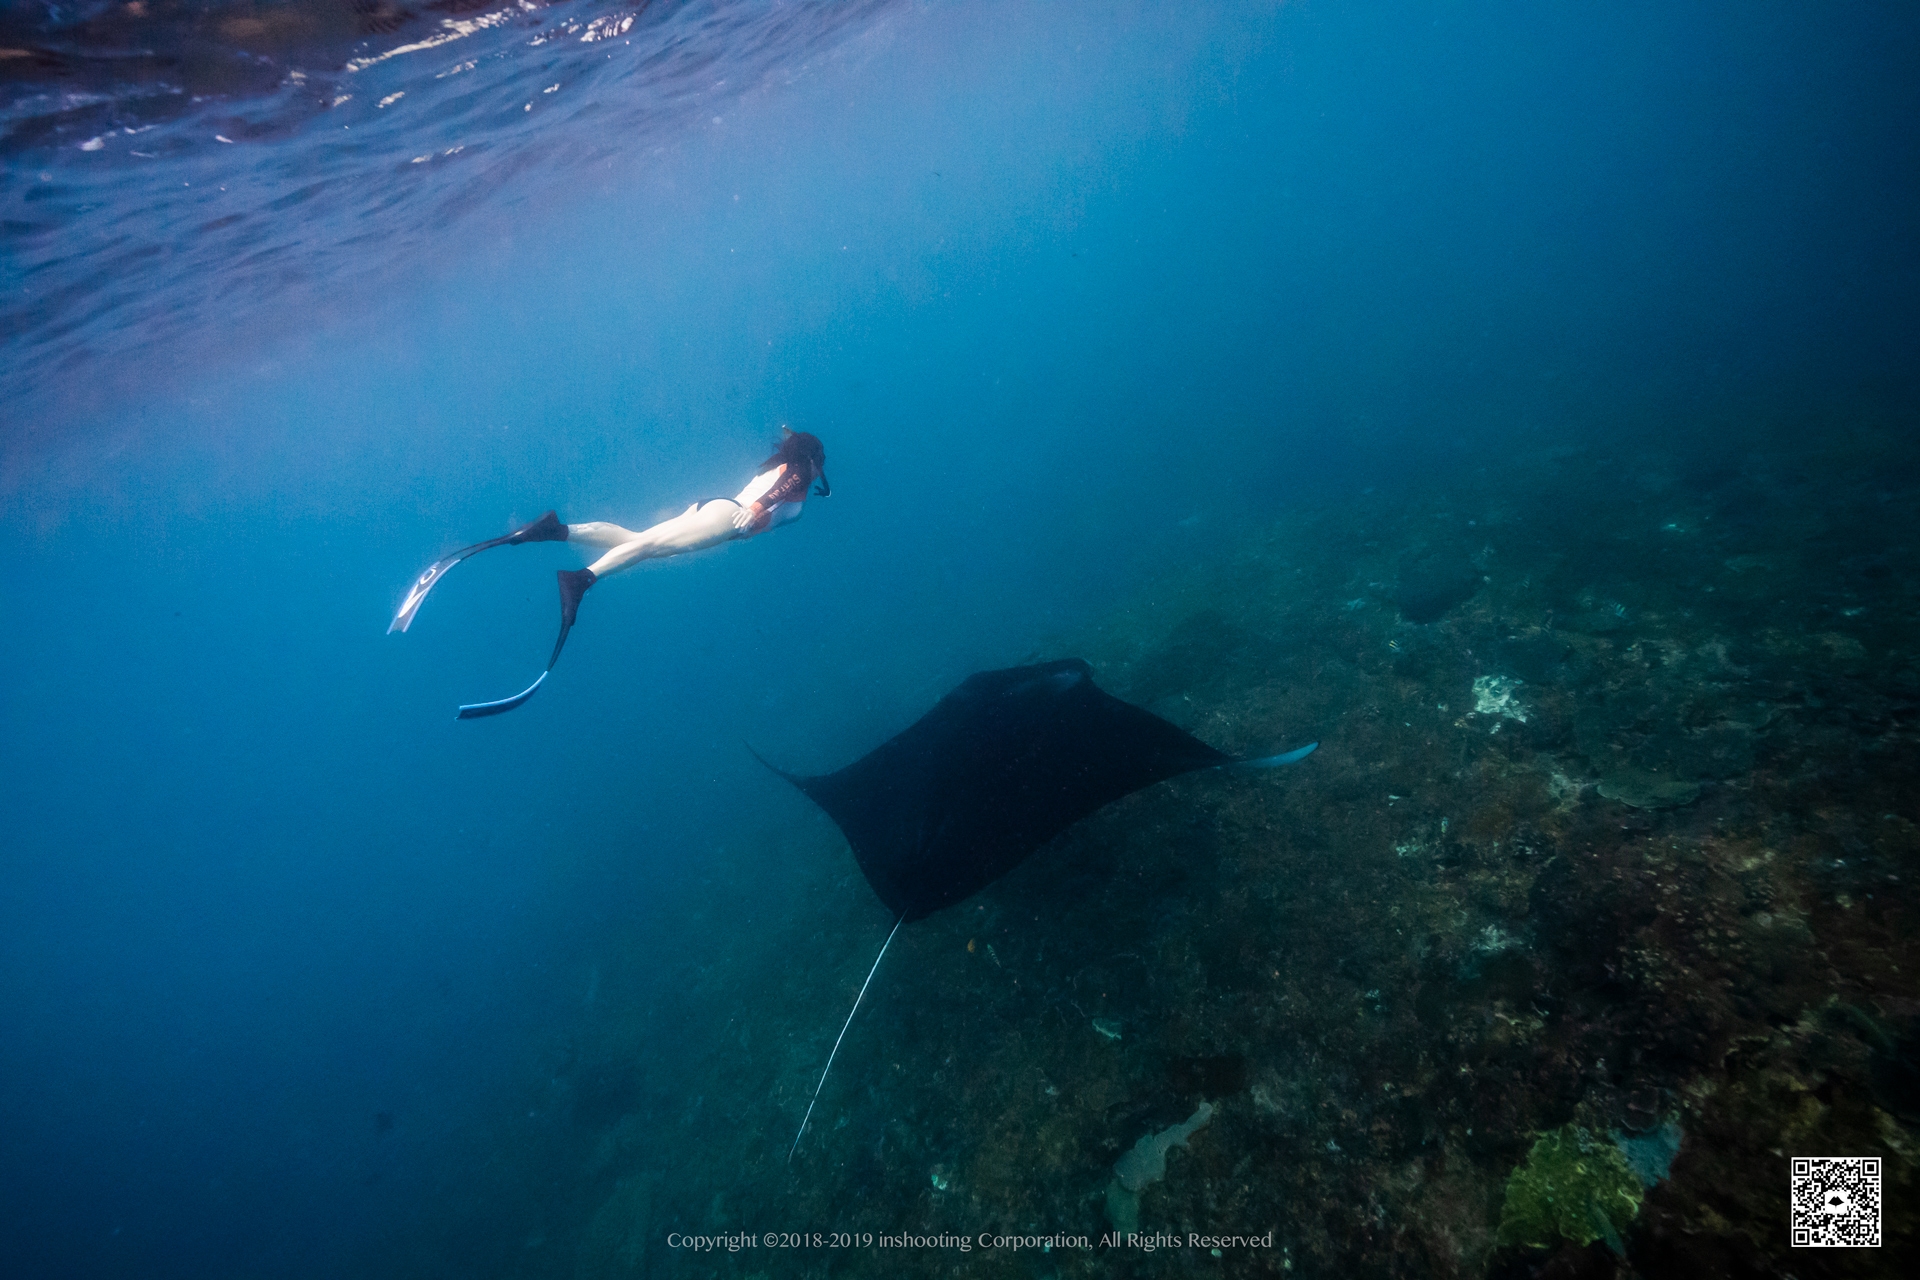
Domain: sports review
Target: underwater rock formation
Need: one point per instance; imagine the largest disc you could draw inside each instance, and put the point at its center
(1431, 586)
(1650, 1155)
(1144, 1165)
(614, 1244)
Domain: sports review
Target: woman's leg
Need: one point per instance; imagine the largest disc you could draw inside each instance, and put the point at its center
(695, 529)
(598, 533)
(698, 527)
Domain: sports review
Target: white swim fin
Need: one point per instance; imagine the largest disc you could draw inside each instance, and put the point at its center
(546, 529)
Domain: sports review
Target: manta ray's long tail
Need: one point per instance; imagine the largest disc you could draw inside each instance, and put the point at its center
(843, 1035)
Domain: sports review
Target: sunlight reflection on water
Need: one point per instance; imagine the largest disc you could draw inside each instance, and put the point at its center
(164, 164)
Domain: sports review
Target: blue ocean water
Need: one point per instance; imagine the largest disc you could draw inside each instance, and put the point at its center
(296, 971)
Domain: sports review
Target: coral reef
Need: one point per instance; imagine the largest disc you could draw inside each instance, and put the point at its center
(1677, 895)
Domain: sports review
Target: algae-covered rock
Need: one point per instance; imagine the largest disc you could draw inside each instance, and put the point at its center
(1574, 1186)
(615, 1242)
(1647, 790)
(1722, 750)
(1606, 729)
(1123, 1208)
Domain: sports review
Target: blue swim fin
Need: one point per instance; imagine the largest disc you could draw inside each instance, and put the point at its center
(573, 585)
(474, 710)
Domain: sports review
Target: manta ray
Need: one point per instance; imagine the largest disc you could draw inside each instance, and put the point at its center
(997, 768)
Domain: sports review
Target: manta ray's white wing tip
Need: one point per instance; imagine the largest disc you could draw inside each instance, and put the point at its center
(1288, 757)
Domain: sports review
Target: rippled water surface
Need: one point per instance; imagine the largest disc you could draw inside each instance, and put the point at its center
(164, 163)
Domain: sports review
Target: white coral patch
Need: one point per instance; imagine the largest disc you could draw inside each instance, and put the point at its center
(1498, 696)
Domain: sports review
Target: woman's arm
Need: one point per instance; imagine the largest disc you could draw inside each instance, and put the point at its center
(791, 486)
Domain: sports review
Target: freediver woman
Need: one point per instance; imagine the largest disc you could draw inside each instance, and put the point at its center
(775, 496)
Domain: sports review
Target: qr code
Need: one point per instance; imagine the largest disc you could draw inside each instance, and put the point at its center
(1836, 1202)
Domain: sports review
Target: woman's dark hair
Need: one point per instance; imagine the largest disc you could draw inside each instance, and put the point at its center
(801, 447)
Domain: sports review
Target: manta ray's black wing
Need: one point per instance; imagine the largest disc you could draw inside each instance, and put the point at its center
(1000, 766)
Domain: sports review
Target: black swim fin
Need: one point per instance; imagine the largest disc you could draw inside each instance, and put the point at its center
(546, 529)
(573, 585)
